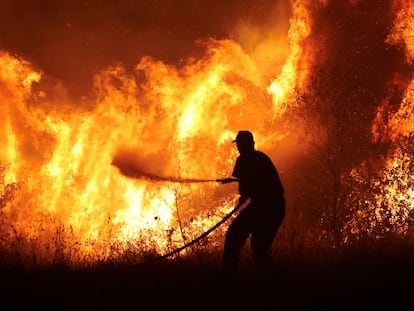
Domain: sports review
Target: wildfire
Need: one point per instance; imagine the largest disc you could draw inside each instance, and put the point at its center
(56, 156)
(393, 203)
(62, 197)
(293, 73)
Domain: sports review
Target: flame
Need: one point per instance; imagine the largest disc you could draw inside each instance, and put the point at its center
(67, 198)
(294, 70)
(393, 203)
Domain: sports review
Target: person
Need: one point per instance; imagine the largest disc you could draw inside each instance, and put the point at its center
(262, 217)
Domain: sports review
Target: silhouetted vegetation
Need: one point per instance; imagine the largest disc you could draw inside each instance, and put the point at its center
(309, 271)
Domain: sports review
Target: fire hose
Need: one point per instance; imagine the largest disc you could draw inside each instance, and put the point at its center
(192, 242)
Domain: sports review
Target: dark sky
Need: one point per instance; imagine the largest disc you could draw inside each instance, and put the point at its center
(69, 40)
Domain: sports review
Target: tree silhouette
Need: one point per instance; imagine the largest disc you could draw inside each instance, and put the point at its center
(338, 132)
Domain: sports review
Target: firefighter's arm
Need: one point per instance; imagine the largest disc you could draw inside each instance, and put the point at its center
(243, 190)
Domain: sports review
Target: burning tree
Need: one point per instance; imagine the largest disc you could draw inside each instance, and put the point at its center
(339, 109)
(329, 117)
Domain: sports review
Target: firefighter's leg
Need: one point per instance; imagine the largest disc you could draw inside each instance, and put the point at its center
(236, 236)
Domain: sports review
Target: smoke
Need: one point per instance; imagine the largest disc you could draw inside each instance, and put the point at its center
(353, 66)
(72, 40)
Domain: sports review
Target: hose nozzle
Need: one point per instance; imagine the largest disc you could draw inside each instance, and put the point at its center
(227, 180)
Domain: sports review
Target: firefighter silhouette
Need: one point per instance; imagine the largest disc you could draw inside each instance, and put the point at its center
(258, 181)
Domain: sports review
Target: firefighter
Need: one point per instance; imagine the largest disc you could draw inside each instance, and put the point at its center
(261, 218)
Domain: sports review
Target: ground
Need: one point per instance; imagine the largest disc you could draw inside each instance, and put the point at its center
(186, 285)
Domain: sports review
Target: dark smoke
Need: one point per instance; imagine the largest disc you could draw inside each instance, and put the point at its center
(352, 67)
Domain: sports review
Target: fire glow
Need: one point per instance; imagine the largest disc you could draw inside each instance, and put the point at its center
(60, 193)
(57, 159)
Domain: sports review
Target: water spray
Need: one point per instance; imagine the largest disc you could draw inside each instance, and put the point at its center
(154, 177)
(133, 171)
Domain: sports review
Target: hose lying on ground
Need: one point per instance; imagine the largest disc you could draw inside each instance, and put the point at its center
(177, 250)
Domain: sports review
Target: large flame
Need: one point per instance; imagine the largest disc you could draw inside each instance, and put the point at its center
(61, 193)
